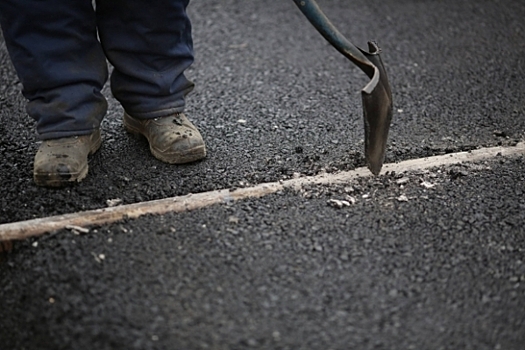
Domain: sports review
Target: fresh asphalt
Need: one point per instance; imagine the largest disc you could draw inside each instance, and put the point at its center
(423, 260)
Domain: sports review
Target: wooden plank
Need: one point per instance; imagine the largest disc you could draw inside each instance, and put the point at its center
(35, 227)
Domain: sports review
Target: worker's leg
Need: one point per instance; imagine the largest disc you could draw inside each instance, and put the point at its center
(150, 45)
(54, 48)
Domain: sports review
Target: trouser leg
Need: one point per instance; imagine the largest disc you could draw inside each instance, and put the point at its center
(54, 48)
(149, 43)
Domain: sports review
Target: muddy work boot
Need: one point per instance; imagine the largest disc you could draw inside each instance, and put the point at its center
(63, 161)
(172, 139)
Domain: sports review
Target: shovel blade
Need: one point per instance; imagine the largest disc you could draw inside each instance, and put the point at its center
(377, 112)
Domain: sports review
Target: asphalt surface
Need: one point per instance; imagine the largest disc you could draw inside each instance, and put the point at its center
(431, 260)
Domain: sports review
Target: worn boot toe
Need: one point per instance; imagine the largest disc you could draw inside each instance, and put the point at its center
(172, 139)
(62, 161)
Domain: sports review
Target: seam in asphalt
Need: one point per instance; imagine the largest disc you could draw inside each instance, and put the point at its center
(80, 220)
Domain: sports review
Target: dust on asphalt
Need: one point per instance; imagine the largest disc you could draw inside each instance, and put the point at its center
(429, 260)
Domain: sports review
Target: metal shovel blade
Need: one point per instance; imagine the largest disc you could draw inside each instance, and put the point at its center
(376, 95)
(377, 112)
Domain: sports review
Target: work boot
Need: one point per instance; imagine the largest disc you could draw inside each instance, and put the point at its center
(62, 161)
(172, 139)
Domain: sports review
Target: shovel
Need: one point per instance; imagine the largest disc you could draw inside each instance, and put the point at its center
(376, 95)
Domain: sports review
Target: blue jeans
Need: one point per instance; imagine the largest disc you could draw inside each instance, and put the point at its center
(62, 65)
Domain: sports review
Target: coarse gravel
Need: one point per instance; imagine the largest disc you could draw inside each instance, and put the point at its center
(420, 260)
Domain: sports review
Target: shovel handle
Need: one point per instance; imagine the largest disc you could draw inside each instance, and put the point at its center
(323, 25)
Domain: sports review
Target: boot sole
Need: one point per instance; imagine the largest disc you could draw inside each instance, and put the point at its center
(191, 155)
(54, 179)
